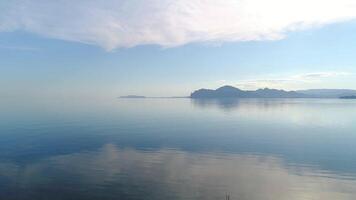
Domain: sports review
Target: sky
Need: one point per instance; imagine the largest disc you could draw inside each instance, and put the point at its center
(173, 47)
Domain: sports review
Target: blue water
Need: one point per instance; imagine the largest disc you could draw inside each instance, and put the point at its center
(249, 149)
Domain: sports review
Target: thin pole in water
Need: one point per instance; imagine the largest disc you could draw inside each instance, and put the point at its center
(227, 197)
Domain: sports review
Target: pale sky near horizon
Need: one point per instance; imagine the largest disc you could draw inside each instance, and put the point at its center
(172, 47)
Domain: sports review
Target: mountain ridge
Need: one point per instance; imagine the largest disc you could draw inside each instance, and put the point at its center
(232, 92)
(228, 91)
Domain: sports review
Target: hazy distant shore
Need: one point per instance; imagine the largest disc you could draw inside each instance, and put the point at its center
(232, 92)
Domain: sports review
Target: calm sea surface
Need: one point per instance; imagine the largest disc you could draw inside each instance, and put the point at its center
(250, 149)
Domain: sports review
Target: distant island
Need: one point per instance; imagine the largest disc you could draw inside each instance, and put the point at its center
(232, 92)
(348, 97)
(133, 97)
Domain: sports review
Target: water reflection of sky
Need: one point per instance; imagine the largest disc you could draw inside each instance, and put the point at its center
(111, 172)
(178, 149)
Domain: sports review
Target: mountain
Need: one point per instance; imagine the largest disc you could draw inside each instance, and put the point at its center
(328, 93)
(348, 97)
(232, 92)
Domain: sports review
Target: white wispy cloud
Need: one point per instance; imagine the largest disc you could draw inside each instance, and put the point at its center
(292, 81)
(126, 23)
(318, 75)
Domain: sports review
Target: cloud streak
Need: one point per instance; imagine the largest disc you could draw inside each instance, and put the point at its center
(126, 23)
(291, 81)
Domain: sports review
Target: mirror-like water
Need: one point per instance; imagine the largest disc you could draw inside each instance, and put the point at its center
(249, 149)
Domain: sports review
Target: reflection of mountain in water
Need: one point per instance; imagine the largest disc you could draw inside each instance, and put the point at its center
(230, 104)
(223, 103)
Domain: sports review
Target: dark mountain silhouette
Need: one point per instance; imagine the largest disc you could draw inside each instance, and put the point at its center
(348, 97)
(232, 92)
(328, 93)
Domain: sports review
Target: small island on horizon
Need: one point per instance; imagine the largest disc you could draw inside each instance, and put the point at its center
(132, 97)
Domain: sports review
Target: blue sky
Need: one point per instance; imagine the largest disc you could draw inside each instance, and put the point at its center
(42, 55)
